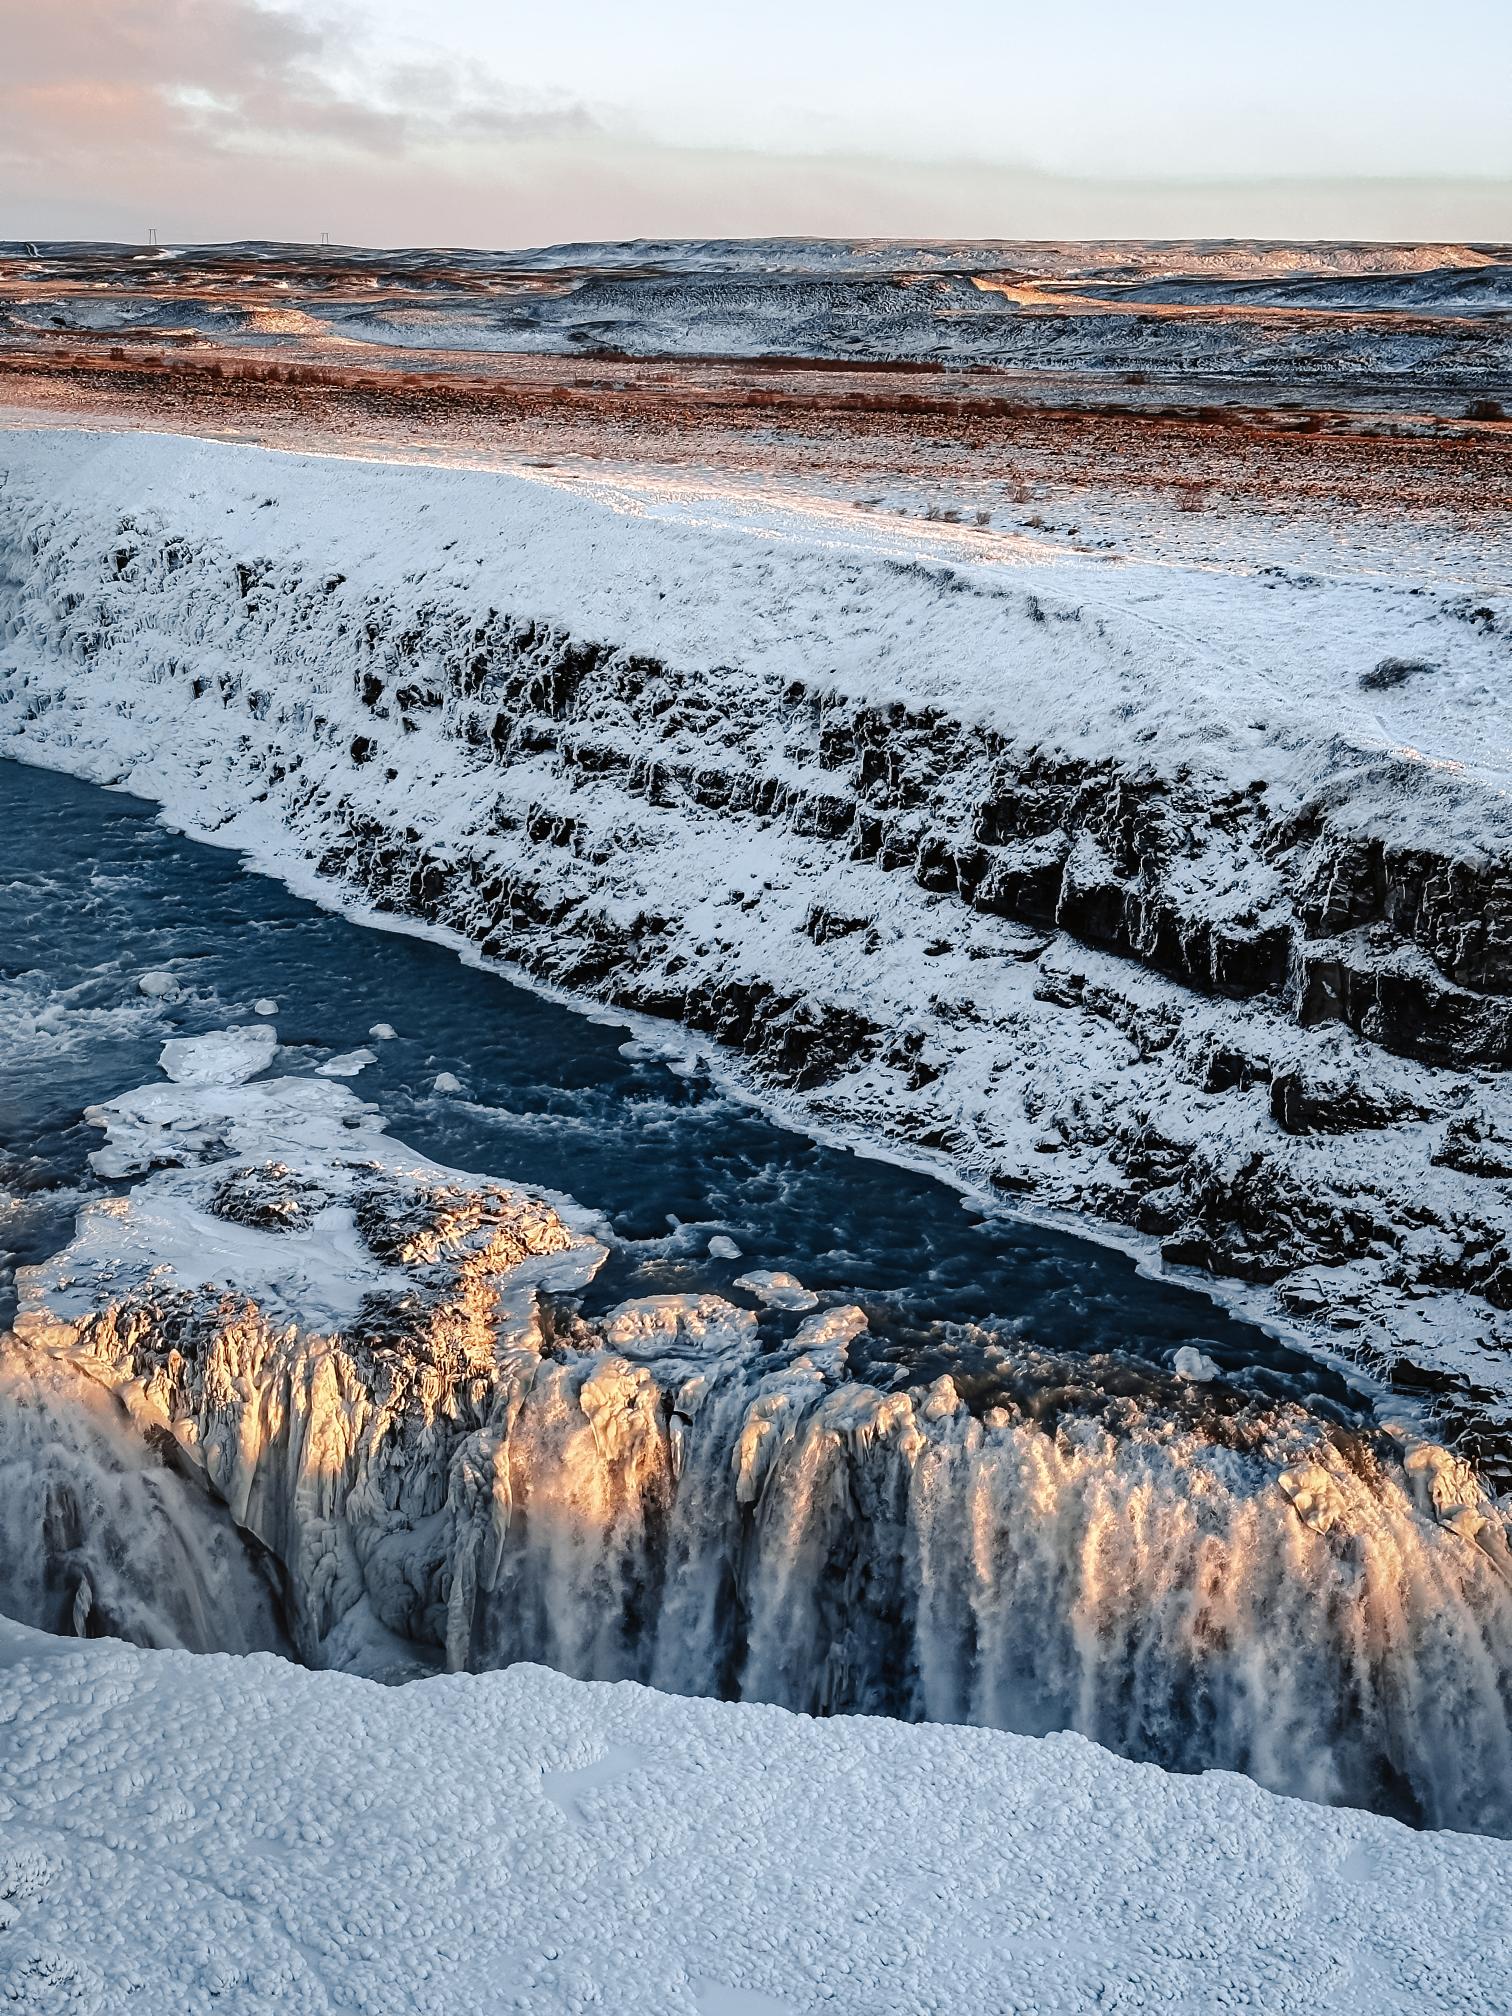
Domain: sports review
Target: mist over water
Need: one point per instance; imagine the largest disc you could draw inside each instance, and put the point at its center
(1015, 1512)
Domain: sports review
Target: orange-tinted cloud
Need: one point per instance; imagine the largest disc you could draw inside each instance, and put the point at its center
(91, 86)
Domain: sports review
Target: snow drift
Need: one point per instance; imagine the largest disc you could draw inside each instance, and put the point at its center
(198, 1835)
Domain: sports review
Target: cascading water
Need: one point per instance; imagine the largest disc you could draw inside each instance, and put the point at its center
(884, 1505)
(1198, 1584)
(103, 1536)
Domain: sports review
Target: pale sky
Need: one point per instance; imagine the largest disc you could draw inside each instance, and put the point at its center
(496, 123)
(1145, 88)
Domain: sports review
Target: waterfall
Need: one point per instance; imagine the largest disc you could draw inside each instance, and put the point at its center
(384, 1372)
(1242, 1589)
(101, 1536)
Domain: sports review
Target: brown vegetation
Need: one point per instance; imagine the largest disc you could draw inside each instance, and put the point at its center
(846, 421)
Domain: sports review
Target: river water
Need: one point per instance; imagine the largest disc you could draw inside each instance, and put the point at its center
(94, 892)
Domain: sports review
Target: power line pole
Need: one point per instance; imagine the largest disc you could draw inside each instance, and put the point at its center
(152, 234)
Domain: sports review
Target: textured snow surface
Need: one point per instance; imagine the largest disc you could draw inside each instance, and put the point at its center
(186, 1835)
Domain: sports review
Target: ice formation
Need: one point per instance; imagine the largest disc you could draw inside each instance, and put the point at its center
(777, 1290)
(381, 1368)
(348, 1064)
(103, 1535)
(224, 1058)
(1191, 1363)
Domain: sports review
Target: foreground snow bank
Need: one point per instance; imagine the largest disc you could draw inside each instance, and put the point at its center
(234, 1834)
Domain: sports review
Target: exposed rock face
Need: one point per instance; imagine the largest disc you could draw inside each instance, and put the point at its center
(380, 1368)
(1245, 987)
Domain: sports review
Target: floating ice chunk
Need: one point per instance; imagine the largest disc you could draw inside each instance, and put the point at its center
(722, 1247)
(383, 1032)
(1196, 1365)
(778, 1291)
(444, 1081)
(831, 1326)
(347, 1065)
(265, 1005)
(159, 983)
(224, 1057)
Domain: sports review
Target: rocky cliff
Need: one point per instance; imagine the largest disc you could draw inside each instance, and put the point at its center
(994, 862)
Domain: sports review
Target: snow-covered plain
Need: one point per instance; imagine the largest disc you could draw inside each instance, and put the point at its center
(183, 1836)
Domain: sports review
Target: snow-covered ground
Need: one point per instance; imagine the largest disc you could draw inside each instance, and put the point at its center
(1211, 662)
(194, 1835)
(1279, 314)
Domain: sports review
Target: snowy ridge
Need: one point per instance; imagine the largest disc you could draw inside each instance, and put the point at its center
(1353, 313)
(271, 1839)
(1131, 890)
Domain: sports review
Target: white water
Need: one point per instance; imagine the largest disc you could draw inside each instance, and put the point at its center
(832, 1549)
(101, 1536)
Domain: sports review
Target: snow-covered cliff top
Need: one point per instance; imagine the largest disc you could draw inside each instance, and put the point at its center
(235, 1834)
(1229, 667)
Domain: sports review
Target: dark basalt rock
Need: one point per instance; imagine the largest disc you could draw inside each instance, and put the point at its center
(1230, 1070)
(1403, 1006)
(1474, 1150)
(1023, 842)
(1391, 672)
(269, 1197)
(1309, 1105)
(1259, 1223)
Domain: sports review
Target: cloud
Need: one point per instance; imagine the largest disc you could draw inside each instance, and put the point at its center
(228, 119)
(93, 88)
